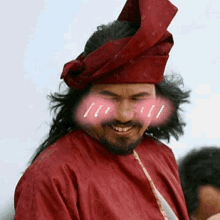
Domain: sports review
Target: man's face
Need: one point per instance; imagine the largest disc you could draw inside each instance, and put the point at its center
(124, 130)
(209, 203)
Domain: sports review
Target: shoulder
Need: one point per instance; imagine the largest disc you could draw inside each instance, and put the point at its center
(63, 150)
(56, 160)
(159, 151)
(157, 146)
(52, 177)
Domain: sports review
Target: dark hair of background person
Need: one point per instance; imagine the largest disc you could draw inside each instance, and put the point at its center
(197, 168)
(63, 104)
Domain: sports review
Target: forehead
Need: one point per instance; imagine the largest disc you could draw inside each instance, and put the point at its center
(124, 89)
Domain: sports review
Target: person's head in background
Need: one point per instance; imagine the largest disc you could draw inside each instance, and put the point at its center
(199, 173)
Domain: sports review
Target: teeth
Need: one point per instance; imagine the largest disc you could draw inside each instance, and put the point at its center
(121, 129)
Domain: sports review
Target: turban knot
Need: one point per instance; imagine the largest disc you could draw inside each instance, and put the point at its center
(71, 70)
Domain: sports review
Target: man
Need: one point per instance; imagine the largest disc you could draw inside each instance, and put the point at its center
(101, 159)
(199, 174)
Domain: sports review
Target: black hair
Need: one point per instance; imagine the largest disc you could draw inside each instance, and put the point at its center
(171, 88)
(64, 104)
(199, 167)
(105, 33)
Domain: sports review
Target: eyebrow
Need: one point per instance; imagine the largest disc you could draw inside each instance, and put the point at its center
(108, 93)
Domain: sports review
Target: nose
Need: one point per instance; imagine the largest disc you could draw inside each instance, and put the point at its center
(124, 111)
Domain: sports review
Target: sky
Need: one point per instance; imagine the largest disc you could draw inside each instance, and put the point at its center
(38, 38)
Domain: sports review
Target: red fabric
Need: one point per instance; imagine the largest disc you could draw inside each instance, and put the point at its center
(77, 178)
(138, 59)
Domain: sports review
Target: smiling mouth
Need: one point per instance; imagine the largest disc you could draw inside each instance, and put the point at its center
(121, 130)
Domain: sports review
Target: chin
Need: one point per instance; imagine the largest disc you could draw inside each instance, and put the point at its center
(121, 147)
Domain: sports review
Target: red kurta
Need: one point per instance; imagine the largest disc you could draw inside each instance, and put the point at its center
(78, 178)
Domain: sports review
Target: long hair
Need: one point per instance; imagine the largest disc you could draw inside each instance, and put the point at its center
(197, 168)
(171, 88)
(63, 104)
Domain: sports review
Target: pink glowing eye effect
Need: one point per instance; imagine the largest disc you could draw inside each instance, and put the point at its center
(160, 111)
(93, 110)
(96, 113)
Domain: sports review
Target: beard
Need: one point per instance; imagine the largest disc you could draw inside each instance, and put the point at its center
(122, 147)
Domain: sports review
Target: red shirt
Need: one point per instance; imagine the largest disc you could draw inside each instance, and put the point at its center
(78, 178)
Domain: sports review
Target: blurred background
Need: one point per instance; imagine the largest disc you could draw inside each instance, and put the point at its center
(38, 37)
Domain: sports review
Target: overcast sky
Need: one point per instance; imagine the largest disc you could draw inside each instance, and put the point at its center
(38, 37)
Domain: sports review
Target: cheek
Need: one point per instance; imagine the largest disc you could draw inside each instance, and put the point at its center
(93, 110)
(145, 110)
(163, 111)
(212, 205)
(155, 111)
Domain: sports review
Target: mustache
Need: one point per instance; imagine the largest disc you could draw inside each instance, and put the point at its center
(118, 123)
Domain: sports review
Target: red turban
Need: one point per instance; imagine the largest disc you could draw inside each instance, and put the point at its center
(138, 59)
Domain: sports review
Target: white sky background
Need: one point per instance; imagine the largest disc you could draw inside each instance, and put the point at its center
(38, 37)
